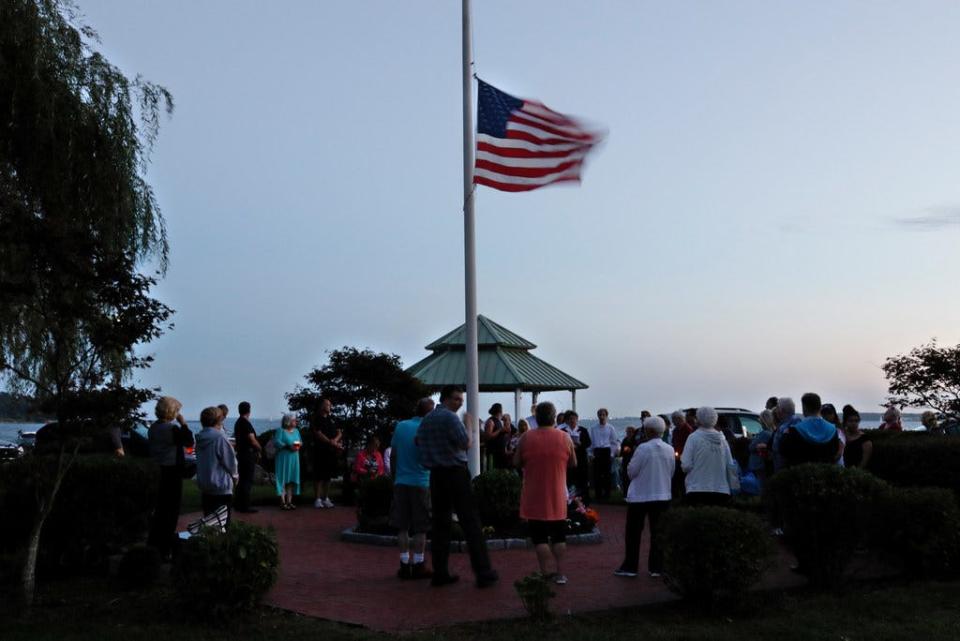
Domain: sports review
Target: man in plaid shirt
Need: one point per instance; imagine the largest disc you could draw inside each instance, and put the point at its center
(443, 441)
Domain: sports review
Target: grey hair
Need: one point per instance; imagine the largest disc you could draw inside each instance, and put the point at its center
(678, 415)
(707, 417)
(894, 411)
(786, 406)
(655, 424)
(287, 419)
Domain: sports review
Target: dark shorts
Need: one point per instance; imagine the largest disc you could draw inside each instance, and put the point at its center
(543, 532)
(410, 510)
(324, 464)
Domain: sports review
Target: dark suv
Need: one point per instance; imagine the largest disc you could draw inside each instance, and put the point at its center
(738, 421)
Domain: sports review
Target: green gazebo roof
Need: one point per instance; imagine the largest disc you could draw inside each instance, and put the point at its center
(506, 363)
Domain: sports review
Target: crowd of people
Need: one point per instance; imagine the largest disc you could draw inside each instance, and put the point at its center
(683, 457)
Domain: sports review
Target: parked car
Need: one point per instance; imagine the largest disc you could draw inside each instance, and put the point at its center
(741, 423)
(10, 451)
(739, 426)
(26, 440)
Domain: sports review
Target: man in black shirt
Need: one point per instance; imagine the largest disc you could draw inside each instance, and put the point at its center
(327, 447)
(248, 452)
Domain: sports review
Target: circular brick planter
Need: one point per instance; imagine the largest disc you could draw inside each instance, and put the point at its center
(350, 535)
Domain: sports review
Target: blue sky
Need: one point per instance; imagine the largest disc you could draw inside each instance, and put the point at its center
(776, 209)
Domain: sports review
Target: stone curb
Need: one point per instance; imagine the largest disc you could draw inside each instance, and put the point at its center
(350, 535)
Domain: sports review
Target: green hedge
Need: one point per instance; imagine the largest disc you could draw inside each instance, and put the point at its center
(219, 575)
(826, 511)
(713, 553)
(917, 459)
(104, 504)
(921, 528)
(498, 497)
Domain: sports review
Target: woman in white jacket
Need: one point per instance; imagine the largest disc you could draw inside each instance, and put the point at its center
(707, 462)
(650, 472)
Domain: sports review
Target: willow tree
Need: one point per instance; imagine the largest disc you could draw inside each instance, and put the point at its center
(78, 222)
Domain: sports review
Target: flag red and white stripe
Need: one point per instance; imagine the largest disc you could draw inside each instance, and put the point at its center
(524, 145)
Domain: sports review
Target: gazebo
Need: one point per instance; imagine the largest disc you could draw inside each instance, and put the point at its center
(506, 364)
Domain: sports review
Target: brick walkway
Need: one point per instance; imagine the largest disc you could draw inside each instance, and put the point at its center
(321, 576)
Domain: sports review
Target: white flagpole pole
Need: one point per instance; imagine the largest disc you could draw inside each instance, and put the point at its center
(470, 251)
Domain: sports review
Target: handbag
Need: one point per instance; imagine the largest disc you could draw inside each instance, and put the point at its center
(733, 478)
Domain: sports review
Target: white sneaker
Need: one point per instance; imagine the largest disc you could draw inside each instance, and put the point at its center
(327, 503)
(318, 504)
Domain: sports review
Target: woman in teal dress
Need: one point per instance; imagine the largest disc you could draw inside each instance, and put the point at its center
(287, 464)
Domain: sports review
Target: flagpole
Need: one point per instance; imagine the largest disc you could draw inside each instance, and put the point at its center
(470, 252)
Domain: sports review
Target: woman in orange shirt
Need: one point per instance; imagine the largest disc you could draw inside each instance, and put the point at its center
(544, 454)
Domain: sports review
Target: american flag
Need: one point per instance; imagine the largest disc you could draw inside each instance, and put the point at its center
(524, 145)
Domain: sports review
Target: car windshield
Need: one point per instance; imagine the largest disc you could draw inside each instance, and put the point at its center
(751, 425)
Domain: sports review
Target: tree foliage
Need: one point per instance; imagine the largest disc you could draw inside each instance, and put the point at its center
(77, 216)
(369, 391)
(77, 220)
(929, 376)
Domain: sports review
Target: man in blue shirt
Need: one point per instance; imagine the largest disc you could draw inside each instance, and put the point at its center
(443, 442)
(410, 512)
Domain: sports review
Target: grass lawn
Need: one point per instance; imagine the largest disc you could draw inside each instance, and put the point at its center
(96, 609)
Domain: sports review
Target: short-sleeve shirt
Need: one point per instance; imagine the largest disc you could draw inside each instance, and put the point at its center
(410, 471)
(242, 430)
(442, 439)
(325, 425)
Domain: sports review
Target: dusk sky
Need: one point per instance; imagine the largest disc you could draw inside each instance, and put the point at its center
(776, 209)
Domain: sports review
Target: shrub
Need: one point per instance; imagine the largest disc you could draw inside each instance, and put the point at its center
(916, 459)
(535, 594)
(104, 504)
(220, 574)
(713, 553)
(139, 567)
(373, 504)
(825, 511)
(921, 528)
(498, 497)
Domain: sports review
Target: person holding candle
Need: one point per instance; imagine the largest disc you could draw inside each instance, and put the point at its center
(287, 464)
(369, 462)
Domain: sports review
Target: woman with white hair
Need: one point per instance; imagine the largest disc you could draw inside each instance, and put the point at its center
(891, 420)
(650, 472)
(707, 462)
(167, 437)
(287, 468)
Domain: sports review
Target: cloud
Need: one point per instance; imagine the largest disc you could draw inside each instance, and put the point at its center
(932, 219)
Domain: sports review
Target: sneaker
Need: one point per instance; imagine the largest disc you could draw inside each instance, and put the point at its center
(623, 572)
(655, 575)
(318, 504)
(438, 581)
(560, 579)
(420, 571)
(327, 503)
(404, 572)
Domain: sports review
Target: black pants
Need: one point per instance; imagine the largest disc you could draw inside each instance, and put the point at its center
(601, 473)
(450, 492)
(636, 514)
(707, 498)
(169, 493)
(245, 468)
(210, 503)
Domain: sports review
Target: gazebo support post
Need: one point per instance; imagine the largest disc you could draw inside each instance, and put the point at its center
(573, 400)
(517, 393)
